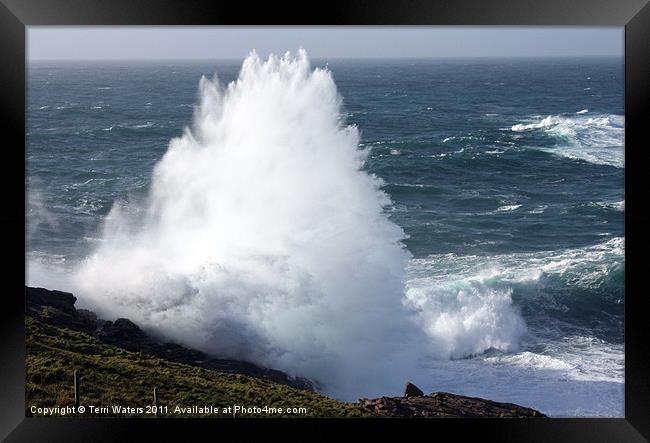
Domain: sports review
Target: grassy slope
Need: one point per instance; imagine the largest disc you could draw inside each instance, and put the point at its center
(113, 376)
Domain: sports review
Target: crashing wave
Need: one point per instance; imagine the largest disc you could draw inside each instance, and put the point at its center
(597, 140)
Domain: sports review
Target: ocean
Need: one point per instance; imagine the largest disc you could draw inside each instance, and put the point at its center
(499, 183)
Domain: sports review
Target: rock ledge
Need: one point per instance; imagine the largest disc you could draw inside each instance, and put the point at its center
(442, 404)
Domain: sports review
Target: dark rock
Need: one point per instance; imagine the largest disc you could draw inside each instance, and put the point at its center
(86, 321)
(62, 301)
(125, 334)
(88, 317)
(57, 308)
(412, 391)
(443, 404)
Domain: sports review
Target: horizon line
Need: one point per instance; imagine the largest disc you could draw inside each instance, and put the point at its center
(321, 58)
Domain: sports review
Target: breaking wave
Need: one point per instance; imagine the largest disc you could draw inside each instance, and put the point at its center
(597, 140)
(263, 239)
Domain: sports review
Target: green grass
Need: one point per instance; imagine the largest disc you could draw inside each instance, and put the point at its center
(111, 376)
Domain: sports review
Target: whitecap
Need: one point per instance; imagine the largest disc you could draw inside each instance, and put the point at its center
(412, 185)
(544, 123)
(619, 205)
(508, 208)
(615, 205)
(144, 125)
(597, 139)
(538, 210)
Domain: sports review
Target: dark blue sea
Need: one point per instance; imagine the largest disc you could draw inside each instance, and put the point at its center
(506, 176)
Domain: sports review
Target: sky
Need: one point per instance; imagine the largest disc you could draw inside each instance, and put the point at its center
(229, 42)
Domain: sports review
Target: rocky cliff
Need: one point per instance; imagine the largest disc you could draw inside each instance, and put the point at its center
(58, 309)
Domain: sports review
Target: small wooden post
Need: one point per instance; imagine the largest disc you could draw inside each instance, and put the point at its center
(155, 401)
(76, 389)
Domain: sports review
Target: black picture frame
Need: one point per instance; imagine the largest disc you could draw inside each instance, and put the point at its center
(16, 15)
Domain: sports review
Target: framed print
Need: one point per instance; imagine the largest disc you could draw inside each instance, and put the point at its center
(371, 215)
